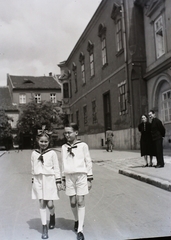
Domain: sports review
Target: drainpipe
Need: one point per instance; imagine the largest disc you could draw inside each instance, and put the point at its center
(129, 90)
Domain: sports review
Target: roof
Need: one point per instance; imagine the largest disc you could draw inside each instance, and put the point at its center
(5, 100)
(30, 82)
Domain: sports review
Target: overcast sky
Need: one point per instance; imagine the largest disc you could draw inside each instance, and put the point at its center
(35, 35)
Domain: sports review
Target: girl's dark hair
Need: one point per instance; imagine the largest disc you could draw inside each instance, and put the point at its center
(73, 125)
(143, 115)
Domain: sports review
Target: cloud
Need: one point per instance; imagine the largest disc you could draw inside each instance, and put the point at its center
(36, 35)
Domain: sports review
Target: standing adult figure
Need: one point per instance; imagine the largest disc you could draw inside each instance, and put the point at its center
(157, 133)
(109, 140)
(146, 146)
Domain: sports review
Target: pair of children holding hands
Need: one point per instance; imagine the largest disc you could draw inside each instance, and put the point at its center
(76, 177)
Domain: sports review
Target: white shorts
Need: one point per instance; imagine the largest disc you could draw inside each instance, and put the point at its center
(76, 184)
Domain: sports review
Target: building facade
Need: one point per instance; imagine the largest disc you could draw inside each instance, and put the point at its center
(102, 79)
(157, 27)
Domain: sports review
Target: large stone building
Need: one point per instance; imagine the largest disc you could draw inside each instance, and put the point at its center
(157, 27)
(103, 84)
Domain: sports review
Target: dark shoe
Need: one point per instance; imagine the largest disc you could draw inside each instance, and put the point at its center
(44, 232)
(150, 165)
(146, 165)
(52, 221)
(76, 226)
(80, 236)
(159, 166)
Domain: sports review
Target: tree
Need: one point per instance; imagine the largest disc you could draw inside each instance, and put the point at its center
(34, 115)
(5, 129)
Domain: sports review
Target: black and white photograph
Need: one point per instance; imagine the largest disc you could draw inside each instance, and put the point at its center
(85, 119)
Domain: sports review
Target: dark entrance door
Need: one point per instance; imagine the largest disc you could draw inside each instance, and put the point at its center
(107, 110)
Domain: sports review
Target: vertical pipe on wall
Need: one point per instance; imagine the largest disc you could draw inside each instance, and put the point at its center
(129, 90)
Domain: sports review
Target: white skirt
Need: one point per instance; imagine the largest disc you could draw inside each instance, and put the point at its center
(44, 187)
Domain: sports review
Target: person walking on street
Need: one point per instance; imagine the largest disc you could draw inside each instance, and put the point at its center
(109, 140)
(158, 133)
(146, 145)
(77, 175)
(46, 179)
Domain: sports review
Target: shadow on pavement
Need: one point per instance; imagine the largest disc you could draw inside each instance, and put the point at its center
(62, 223)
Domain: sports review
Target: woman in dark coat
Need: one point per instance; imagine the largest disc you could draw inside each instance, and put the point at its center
(146, 145)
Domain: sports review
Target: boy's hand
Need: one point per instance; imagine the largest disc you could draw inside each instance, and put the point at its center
(89, 185)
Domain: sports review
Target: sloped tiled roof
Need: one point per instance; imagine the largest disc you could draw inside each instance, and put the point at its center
(30, 82)
(5, 100)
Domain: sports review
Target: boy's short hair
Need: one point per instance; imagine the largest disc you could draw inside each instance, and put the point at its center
(153, 112)
(73, 125)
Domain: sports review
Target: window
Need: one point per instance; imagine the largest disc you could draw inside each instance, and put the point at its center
(90, 48)
(85, 115)
(104, 57)
(22, 98)
(83, 72)
(159, 37)
(94, 113)
(81, 59)
(37, 98)
(102, 35)
(74, 69)
(166, 106)
(65, 90)
(71, 117)
(119, 35)
(122, 97)
(91, 64)
(77, 117)
(53, 97)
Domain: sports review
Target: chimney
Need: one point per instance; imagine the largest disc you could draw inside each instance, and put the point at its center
(50, 74)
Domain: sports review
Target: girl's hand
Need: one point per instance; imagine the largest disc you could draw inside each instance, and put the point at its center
(59, 186)
(89, 185)
(63, 185)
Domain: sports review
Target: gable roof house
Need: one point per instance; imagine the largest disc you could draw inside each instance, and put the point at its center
(22, 89)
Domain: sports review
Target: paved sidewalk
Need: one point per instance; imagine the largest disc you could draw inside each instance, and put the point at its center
(129, 163)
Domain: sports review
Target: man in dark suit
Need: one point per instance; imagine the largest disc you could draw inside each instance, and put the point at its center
(157, 133)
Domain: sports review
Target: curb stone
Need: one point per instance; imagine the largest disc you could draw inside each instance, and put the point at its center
(166, 185)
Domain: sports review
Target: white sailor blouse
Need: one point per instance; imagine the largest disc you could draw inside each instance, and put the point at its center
(76, 159)
(45, 163)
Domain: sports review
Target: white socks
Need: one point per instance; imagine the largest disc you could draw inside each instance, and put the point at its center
(43, 216)
(81, 216)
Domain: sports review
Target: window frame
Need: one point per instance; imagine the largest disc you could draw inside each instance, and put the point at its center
(53, 98)
(119, 37)
(166, 106)
(37, 97)
(94, 112)
(104, 50)
(122, 97)
(85, 115)
(22, 98)
(65, 90)
(159, 37)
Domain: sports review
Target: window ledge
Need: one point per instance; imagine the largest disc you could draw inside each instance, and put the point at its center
(92, 76)
(105, 65)
(119, 52)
